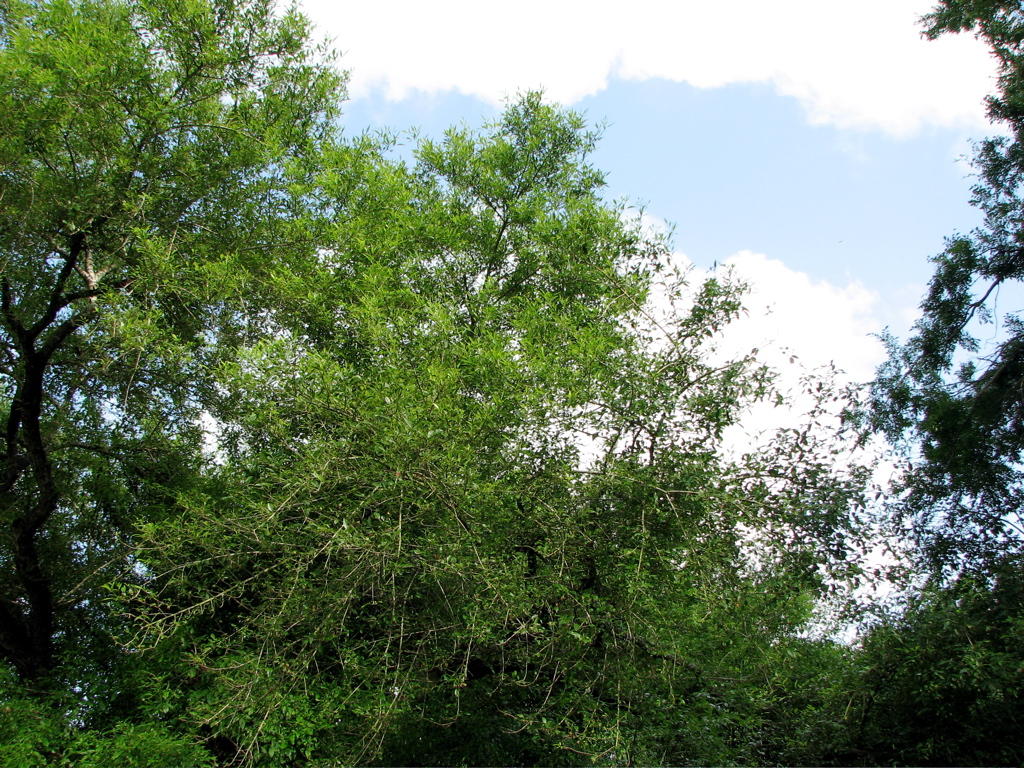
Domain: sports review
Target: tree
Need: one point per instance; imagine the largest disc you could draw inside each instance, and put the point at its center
(941, 682)
(473, 485)
(148, 155)
(964, 493)
(315, 456)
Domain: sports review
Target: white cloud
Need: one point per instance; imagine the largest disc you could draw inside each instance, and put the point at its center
(854, 65)
(798, 326)
(790, 315)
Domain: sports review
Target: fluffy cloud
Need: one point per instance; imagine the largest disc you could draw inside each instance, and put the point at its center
(798, 326)
(789, 315)
(854, 65)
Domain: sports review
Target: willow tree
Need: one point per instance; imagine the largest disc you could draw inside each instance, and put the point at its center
(468, 503)
(316, 456)
(149, 154)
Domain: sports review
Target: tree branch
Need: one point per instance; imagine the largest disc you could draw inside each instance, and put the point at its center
(56, 295)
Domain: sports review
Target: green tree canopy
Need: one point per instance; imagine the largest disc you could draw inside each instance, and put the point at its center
(941, 682)
(961, 405)
(149, 154)
(315, 455)
(481, 479)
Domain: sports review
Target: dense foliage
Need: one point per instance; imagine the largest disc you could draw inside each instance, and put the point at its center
(315, 456)
(958, 402)
(942, 682)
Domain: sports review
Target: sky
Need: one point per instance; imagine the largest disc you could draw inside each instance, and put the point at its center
(819, 147)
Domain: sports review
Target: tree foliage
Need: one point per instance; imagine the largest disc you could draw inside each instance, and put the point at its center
(473, 484)
(962, 405)
(148, 155)
(940, 683)
(316, 456)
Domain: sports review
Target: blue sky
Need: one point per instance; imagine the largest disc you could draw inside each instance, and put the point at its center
(813, 145)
